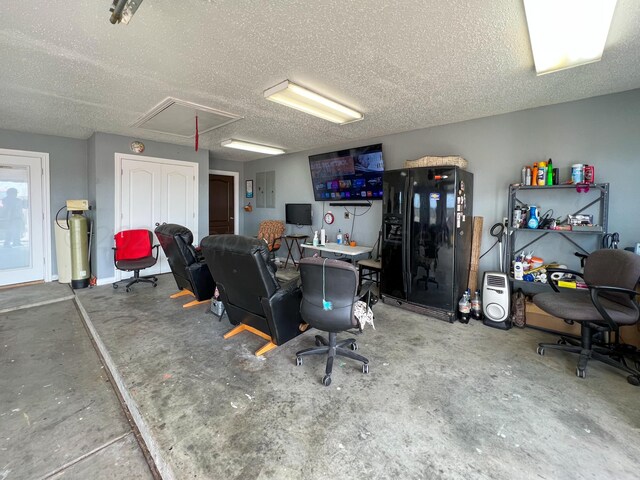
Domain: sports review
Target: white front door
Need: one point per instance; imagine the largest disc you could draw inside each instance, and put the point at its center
(155, 191)
(22, 235)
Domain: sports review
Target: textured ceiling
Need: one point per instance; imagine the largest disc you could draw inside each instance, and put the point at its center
(67, 71)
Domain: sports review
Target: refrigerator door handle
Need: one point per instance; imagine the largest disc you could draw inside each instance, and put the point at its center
(406, 245)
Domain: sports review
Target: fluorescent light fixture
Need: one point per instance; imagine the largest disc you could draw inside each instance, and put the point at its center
(295, 96)
(567, 33)
(251, 147)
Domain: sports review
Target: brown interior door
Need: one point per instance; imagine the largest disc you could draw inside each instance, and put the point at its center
(221, 204)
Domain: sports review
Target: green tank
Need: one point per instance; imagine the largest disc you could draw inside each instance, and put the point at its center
(78, 225)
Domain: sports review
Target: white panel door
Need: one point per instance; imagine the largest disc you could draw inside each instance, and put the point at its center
(155, 191)
(22, 252)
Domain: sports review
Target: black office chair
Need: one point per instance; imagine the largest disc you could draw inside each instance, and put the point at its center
(608, 304)
(327, 280)
(134, 252)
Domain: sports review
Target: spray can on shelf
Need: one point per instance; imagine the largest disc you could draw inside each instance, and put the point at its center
(527, 177)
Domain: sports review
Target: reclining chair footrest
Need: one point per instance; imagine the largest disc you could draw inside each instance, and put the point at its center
(193, 303)
(246, 328)
(181, 293)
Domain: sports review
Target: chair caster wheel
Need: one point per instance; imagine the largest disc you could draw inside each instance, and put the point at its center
(354, 346)
(365, 368)
(298, 361)
(540, 351)
(155, 285)
(127, 289)
(634, 380)
(561, 342)
(115, 285)
(318, 343)
(581, 373)
(326, 380)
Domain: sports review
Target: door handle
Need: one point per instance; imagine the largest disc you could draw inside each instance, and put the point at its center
(230, 218)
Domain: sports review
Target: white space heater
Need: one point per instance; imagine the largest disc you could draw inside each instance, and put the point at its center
(496, 298)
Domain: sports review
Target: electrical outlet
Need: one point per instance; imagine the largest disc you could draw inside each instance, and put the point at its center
(346, 215)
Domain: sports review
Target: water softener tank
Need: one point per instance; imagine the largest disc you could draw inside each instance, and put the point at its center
(78, 226)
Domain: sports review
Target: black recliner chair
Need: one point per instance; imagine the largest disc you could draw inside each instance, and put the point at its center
(336, 282)
(608, 304)
(253, 297)
(188, 267)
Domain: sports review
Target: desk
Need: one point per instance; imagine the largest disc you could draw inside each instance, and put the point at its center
(290, 241)
(340, 249)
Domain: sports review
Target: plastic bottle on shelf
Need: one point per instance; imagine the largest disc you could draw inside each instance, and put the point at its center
(518, 269)
(315, 239)
(339, 237)
(549, 172)
(534, 174)
(542, 174)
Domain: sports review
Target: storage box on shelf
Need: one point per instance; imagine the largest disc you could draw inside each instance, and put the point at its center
(563, 200)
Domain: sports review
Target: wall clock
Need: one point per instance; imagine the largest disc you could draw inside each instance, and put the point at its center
(137, 147)
(328, 218)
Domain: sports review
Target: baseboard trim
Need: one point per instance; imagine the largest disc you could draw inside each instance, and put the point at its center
(106, 281)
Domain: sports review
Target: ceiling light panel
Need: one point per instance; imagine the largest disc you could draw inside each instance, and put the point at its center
(295, 96)
(251, 147)
(567, 33)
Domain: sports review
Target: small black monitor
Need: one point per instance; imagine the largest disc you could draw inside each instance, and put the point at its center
(298, 213)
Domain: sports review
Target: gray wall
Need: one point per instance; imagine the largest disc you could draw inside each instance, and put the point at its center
(601, 131)
(231, 166)
(104, 148)
(67, 164)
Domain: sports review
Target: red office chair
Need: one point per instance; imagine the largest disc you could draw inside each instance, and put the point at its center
(134, 252)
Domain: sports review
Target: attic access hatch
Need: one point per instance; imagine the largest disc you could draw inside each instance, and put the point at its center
(178, 117)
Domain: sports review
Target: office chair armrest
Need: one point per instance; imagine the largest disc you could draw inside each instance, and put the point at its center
(156, 247)
(596, 290)
(554, 283)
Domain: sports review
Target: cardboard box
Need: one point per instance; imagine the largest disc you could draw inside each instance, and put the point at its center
(540, 319)
(536, 317)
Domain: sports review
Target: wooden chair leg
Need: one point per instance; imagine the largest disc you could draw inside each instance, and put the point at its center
(181, 293)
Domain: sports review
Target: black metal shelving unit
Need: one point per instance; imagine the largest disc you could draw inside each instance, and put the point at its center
(519, 239)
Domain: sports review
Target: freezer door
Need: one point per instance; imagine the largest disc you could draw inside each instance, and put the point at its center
(393, 279)
(431, 222)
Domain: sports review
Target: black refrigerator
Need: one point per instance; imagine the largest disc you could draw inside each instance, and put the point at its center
(426, 238)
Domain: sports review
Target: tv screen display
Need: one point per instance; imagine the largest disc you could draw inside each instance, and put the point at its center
(352, 174)
(298, 213)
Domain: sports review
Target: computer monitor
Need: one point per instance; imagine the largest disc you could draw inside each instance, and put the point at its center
(298, 213)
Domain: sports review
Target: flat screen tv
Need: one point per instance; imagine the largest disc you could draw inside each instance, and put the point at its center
(352, 174)
(298, 213)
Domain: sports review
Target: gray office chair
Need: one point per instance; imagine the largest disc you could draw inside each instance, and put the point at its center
(329, 292)
(608, 304)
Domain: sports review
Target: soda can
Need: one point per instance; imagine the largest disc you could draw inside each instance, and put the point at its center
(589, 174)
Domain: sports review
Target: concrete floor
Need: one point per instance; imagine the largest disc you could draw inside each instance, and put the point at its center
(59, 416)
(440, 401)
